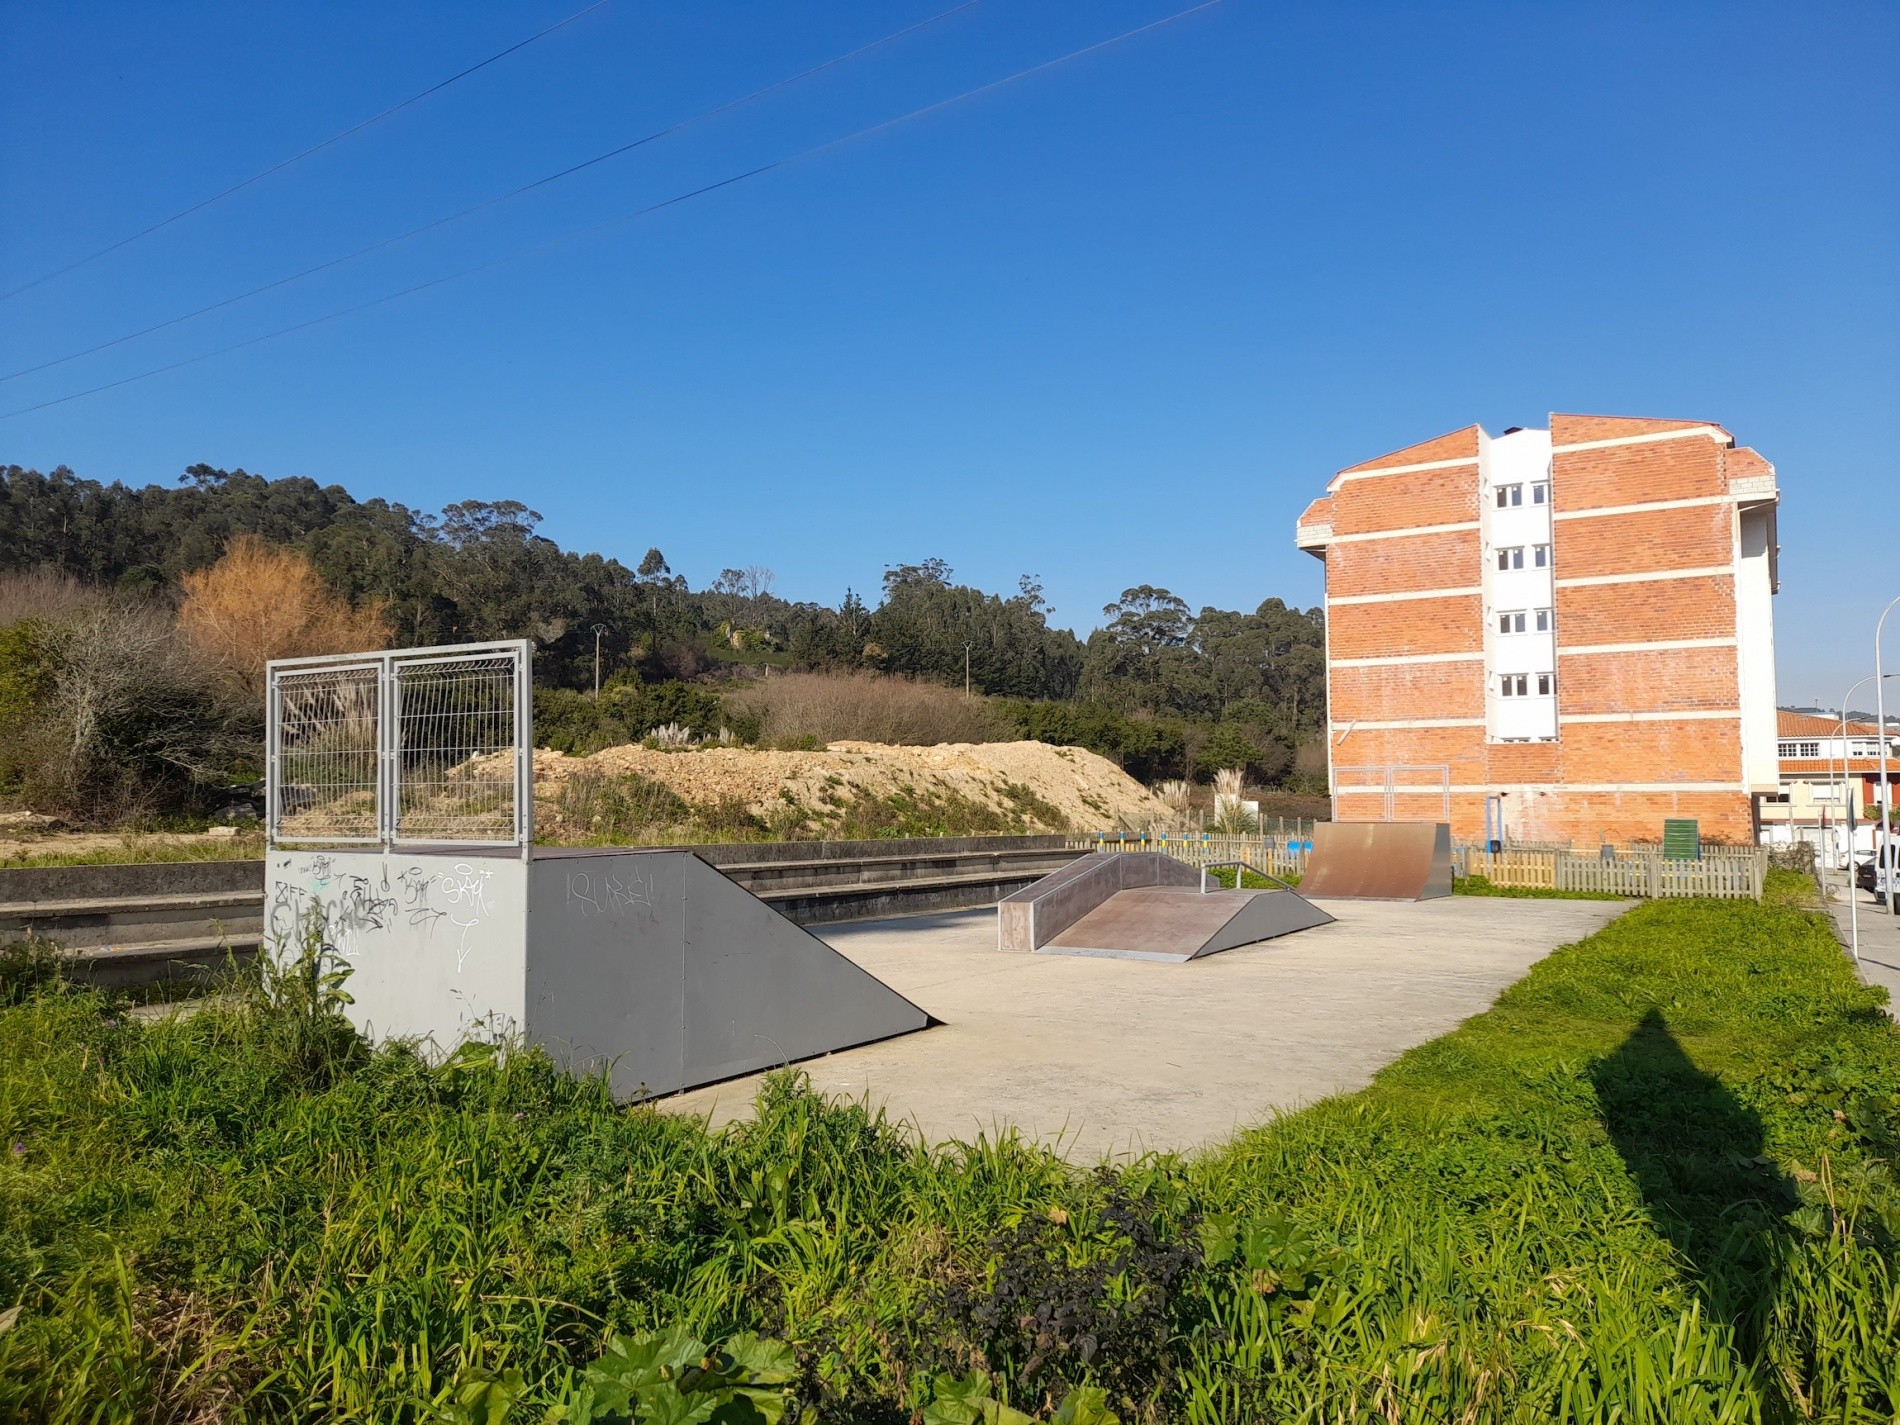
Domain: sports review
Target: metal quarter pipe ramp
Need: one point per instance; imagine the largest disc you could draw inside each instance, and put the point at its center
(1143, 905)
(649, 966)
(1379, 861)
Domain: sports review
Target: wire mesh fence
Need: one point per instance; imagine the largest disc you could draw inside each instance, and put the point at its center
(328, 753)
(458, 768)
(414, 746)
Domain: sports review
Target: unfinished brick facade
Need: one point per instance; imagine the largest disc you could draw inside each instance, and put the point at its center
(1565, 633)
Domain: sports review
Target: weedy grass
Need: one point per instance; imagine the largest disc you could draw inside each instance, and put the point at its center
(137, 849)
(1651, 1184)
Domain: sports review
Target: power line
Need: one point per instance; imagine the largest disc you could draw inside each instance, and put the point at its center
(638, 213)
(486, 203)
(282, 164)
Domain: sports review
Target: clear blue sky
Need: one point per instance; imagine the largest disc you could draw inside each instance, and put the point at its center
(1114, 324)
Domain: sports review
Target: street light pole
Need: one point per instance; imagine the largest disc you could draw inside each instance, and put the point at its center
(1883, 858)
(599, 629)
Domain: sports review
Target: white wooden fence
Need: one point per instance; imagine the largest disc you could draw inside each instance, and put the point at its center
(1723, 872)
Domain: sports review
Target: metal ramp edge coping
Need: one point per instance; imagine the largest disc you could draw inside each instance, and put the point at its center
(647, 965)
(1147, 897)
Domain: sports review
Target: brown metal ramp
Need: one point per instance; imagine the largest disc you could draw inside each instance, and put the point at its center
(1174, 923)
(1379, 861)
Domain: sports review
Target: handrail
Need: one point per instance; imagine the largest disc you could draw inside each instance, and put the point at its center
(1240, 866)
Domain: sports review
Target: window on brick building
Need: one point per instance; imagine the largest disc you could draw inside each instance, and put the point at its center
(1511, 558)
(1514, 685)
(1540, 555)
(1546, 619)
(1510, 496)
(1511, 621)
(1540, 493)
(1544, 681)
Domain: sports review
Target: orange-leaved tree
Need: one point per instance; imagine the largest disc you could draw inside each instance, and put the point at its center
(263, 601)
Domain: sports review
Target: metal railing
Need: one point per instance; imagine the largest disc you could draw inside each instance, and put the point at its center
(411, 746)
(1276, 856)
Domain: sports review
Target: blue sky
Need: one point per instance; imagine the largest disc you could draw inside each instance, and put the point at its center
(1115, 323)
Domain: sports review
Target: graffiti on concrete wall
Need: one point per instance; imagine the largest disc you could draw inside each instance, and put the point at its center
(345, 910)
(610, 893)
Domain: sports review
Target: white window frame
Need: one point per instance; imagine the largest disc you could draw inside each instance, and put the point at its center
(1546, 684)
(1543, 620)
(1513, 685)
(1540, 556)
(1510, 557)
(1540, 492)
(1510, 621)
(1510, 497)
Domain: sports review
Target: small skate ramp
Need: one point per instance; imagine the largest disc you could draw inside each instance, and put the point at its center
(1036, 914)
(1143, 905)
(1174, 924)
(1379, 861)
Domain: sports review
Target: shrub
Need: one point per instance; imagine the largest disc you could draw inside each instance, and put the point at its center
(1256, 753)
(1143, 748)
(110, 715)
(868, 707)
(626, 711)
(262, 601)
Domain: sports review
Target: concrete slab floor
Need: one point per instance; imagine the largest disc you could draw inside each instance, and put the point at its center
(1115, 1057)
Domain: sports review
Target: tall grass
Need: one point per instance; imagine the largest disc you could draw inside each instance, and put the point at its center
(868, 707)
(1649, 1185)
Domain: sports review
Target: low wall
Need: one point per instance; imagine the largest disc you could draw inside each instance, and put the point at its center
(112, 882)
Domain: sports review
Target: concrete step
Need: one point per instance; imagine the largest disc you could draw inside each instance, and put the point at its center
(115, 919)
(121, 966)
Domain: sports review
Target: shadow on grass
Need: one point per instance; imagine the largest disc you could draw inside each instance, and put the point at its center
(1696, 1153)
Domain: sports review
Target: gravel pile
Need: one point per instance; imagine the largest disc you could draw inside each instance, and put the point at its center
(1087, 792)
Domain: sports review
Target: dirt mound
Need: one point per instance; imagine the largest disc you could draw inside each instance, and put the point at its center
(1031, 785)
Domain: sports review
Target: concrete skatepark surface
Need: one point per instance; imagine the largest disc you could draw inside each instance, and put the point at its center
(1104, 1056)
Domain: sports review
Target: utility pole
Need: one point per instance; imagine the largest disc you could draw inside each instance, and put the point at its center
(599, 629)
(966, 669)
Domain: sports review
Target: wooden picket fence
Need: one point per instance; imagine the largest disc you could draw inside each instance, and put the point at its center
(1723, 872)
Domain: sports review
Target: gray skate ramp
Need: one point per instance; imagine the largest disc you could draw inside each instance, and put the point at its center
(1035, 915)
(1173, 924)
(657, 967)
(1143, 905)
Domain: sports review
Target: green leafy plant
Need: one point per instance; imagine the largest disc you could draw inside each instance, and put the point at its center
(671, 1377)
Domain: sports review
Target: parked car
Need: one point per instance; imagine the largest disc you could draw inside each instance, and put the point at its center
(1864, 876)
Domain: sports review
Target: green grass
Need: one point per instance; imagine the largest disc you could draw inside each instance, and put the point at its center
(1650, 1184)
(1483, 886)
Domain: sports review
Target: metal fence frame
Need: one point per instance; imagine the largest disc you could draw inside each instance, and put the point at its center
(389, 666)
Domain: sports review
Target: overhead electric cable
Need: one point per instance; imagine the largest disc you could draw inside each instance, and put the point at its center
(486, 203)
(282, 164)
(636, 214)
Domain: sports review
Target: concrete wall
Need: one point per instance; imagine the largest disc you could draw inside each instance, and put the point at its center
(436, 944)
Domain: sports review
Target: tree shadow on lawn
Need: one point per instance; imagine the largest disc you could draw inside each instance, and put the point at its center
(1696, 1153)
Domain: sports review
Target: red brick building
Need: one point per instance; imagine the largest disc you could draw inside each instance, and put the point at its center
(1555, 635)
